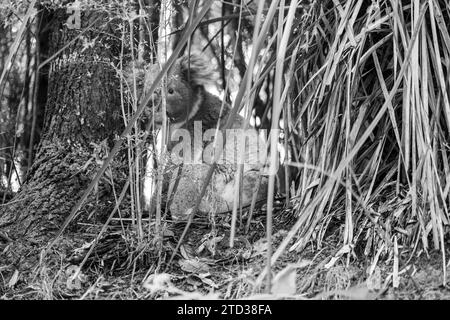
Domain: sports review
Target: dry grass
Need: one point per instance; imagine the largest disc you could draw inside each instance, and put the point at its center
(361, 91)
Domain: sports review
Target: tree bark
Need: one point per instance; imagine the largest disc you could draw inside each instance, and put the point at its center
(82, 117)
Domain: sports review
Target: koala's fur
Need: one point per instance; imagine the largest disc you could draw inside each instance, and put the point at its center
(188, 101)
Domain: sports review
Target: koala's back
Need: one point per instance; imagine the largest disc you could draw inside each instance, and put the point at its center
(211, 112)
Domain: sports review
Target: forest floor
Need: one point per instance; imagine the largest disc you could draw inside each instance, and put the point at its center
(207, 268)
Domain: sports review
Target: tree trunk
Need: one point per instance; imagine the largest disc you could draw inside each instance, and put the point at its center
(82, 117)
(35, 119)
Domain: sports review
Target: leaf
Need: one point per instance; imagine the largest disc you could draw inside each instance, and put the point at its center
(285, 281)
(337, 256)
(15, 277)
(205, 279)
(187, 252)
(395, 274)
(75, 278)
(193, 266)
(85, 247)
(157, 282)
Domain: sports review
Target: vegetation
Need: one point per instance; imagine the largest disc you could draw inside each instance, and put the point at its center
(359, 89)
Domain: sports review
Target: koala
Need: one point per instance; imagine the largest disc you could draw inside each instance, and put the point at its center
(192, 111)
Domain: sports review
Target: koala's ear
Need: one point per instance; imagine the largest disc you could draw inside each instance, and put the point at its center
(151, 71)
(197, 69)
(134, 70)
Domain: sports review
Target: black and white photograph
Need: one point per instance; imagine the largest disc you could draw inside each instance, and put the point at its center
(231, 158)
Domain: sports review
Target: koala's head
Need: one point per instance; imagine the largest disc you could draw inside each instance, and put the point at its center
(142, 75)
(186, 82)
